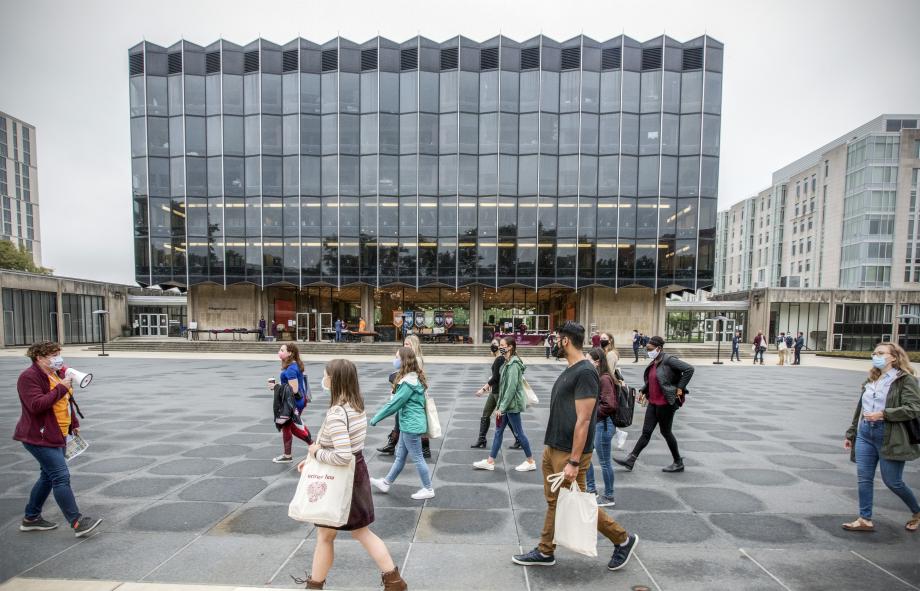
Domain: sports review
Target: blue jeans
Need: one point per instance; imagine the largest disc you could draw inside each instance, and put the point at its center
(603, 435)
(514, 418)
(736, 353)
(55, 477)
(869, 440)
(409, 443)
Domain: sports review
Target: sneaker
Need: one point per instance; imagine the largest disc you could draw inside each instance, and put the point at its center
(37, 524)
(381, 484)
(526, 466)
(484, 465)
(423, 493)
(534, 558)
(283, 459)
(622, 553)
(605, 501)
(83, 526)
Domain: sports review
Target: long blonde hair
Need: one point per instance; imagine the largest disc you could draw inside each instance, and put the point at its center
(408, 364)
(901, 361)
(416, 346)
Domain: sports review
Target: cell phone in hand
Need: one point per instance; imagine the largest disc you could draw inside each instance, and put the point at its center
(271, 381)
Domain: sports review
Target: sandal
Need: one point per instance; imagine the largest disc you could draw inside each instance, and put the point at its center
(914, 523)
(859, 525)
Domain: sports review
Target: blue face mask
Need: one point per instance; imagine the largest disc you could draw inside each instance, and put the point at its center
(879, 361)
(57, 362)
(397, 363)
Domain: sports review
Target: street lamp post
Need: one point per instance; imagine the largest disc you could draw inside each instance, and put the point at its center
(908, 317)
(102, 314)
(721, 320)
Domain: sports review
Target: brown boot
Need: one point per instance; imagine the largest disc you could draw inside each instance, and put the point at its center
(311, 584)
(393, 582)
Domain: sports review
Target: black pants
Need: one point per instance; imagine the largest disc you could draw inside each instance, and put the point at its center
(663, 418)
(798, 357)
(736, 353)
(636, 352)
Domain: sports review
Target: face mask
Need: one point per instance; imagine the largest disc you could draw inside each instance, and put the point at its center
(494, 348)
(604, 343)
(879, 361)
(397, 363)
(326, 387)
(503, 350)
(653, 353)
(57, 362)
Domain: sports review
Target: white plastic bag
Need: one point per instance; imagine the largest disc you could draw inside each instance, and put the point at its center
(619, 438)
(576, 517)
(431, 413)
(529, 393)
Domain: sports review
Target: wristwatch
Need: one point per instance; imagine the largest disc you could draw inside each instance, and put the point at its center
(572, 462)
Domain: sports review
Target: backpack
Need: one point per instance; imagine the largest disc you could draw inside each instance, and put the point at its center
(626, 403)
(643, 341)
(789, 341)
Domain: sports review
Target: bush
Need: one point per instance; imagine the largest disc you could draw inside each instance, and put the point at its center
(914, 355)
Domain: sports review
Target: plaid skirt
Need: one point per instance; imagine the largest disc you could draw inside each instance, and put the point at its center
(362, 502)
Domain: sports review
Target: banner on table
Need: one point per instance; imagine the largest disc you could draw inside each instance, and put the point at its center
(410, 318)
(397, 318)
(439, 319)
(420, 318)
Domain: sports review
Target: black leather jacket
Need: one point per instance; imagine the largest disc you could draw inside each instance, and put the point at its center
(673, 375)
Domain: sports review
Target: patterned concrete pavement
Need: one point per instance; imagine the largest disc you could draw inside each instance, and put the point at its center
(179, 466)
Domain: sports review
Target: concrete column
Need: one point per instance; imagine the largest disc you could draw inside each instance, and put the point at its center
(585, 313)
(659, 313)
(831, 313)
(368, 307)
(476, 314)
(894, 316)
(60, 311)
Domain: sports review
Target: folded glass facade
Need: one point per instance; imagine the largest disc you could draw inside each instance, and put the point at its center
(502, 163)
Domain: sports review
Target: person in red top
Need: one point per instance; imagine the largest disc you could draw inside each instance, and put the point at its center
(46, 423)
(666, 379)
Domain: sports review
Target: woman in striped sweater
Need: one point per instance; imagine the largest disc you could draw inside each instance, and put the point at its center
(341, 437)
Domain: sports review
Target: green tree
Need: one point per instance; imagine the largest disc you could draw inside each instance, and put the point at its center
(18, 259)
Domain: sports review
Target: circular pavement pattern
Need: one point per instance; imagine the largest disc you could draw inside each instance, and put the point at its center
(709, 499)
(760, 477)
(184, 517)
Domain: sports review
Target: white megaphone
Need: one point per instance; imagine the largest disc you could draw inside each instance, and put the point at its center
(78, 377)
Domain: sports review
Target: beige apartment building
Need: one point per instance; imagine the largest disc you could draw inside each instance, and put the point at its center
(19, 186)
(838, 231)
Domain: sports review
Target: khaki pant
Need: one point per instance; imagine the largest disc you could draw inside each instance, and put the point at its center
(554, 461)
(781, 353)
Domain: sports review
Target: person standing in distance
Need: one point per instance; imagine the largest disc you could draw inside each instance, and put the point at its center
(635, 344)
(569, 444)
(666, 379)
(736, 347)
(799, 343)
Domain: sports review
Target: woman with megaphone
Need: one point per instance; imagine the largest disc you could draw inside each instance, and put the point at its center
(48, 419)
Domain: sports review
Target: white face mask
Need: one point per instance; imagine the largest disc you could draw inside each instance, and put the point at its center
(56, 362)
(327, 387)
(653, 353)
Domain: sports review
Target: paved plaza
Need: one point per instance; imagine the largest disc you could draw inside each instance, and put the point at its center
(179, 466)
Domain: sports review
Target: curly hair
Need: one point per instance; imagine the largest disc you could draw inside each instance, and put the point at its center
(42, 349)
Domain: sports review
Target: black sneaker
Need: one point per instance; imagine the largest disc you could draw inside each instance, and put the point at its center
(677, 466)
(516, 445)
(83, 526)
(37, 524)
(622, 553)
(605, 501)
(534, 558)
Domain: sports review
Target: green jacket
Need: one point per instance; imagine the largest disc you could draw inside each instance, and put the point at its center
(409, 402)
(511, 396)
(902, 404)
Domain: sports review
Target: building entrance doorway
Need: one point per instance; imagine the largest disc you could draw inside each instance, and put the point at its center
(152, 325)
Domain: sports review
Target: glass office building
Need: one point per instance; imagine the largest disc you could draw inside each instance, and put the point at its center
(421, 165)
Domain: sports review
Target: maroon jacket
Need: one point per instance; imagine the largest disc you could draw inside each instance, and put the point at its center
(38, 425)
(607, 402)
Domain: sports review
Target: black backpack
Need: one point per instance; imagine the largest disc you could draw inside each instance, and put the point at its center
(626, 403)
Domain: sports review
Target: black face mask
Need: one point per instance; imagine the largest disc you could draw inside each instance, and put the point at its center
(604, 343)
(494, 348)
(503, 350)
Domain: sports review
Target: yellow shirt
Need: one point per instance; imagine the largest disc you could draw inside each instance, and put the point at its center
(361, 326)
(62, 406)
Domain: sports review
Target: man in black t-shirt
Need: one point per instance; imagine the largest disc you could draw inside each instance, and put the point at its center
(569, 442)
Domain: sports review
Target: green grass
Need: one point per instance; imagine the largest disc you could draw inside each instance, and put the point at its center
(914, 355)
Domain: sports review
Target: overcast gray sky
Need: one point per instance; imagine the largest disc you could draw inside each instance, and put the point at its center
(797, 74)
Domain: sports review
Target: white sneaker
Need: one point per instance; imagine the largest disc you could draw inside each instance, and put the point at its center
(424, 493)
(380, 484)
(526, 466)
(283, 459)
(484, 465)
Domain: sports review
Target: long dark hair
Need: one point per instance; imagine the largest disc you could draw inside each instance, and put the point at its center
(599, 355)
(408, 364)
(294, 358)
(343, 382)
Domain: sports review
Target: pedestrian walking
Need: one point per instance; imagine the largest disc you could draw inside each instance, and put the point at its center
(408, 401)
(736, 347)
(262, 328)
(569, 444)
(781, 349)
(665, 388)
(595, 339)
(635, 344)
(799, 344)
(492, 388)
(879, 434)
(759, 347)
(510, 403)
(341, 438)
(47, 423)
(610, 351)
(339, 326)
(605, 429)
(548, 343)
(290, 399)
(412, 341)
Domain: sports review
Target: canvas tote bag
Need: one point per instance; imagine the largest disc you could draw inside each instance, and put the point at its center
(431, 414)
(529, 393)
(576, 517)
(324, 491)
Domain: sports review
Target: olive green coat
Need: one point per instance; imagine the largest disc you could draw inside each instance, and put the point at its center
(901, 405)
